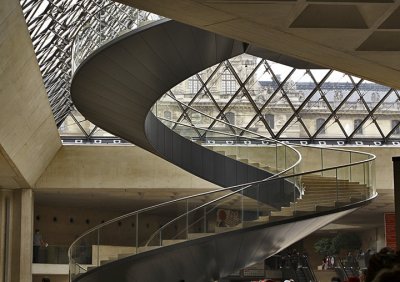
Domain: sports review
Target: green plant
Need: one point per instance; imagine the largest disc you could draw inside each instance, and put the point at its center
(347, 242)
(324, 247)
(342, 241)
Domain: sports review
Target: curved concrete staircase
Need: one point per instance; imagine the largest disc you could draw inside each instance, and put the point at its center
(115, 87)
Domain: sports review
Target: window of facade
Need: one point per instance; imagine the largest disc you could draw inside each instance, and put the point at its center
(357, 122)
(167, 114)
(228, 83)
(397, 130)
(270, 119)
(194, 85)
(319, 123)
(230, 116)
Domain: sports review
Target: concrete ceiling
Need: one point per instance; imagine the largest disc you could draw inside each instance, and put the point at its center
(357, 37)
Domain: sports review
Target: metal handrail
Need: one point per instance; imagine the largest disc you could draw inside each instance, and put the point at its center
(371, 157)
(254, 133)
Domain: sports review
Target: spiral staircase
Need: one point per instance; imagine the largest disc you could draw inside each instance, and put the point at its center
(119, 74)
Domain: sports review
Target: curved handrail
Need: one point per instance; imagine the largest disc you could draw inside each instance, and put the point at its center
(236, 189)
(369, 155)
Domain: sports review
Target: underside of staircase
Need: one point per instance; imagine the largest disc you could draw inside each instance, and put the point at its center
(115, 88)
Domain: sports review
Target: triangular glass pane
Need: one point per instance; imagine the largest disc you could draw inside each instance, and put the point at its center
(187, 132)
(372, 92)
(352, 113)
(356, 79)
(294, 130)
(222, 130)
(333, 130)
(242, 109)
(101, 133)
(387, 114)
(228, 86)
(369, 130)
(336, 88)
(215, 88)
(280, 101)
(259, 127)
(167, 109)
(278, 71)
(206, 74)
(197, 118)
(75, 125)
(319, 74)
(275, 117)
(243, 65)
(299, 87)
(395, 123)
(314, 120)
(190, 86)
(204, 104)
(315, 105)
(261, 85)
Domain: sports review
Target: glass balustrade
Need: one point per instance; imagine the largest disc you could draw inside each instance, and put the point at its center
(53, 254)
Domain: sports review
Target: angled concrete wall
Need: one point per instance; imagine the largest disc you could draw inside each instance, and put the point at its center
(28, 135)
(115, 167)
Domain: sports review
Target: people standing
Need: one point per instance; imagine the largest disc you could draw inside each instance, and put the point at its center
(37, 243)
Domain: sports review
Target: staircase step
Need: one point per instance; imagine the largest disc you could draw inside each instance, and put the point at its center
(226, 229)
(252, 223)
(172, 242)
(285, 213)
(192, 236)
(103, 262)
(121, 256)
(147, 248)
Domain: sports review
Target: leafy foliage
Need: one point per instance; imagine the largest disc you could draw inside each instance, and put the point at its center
(324, 247)
(342, 241)
(346, 241)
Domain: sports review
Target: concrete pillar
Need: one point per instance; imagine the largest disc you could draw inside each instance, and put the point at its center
(396, 178)
(4, 234)
(26, 239)
(16, 225)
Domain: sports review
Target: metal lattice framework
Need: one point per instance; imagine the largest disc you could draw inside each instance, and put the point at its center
(52, 26)
(254, 93)
(284, 102)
